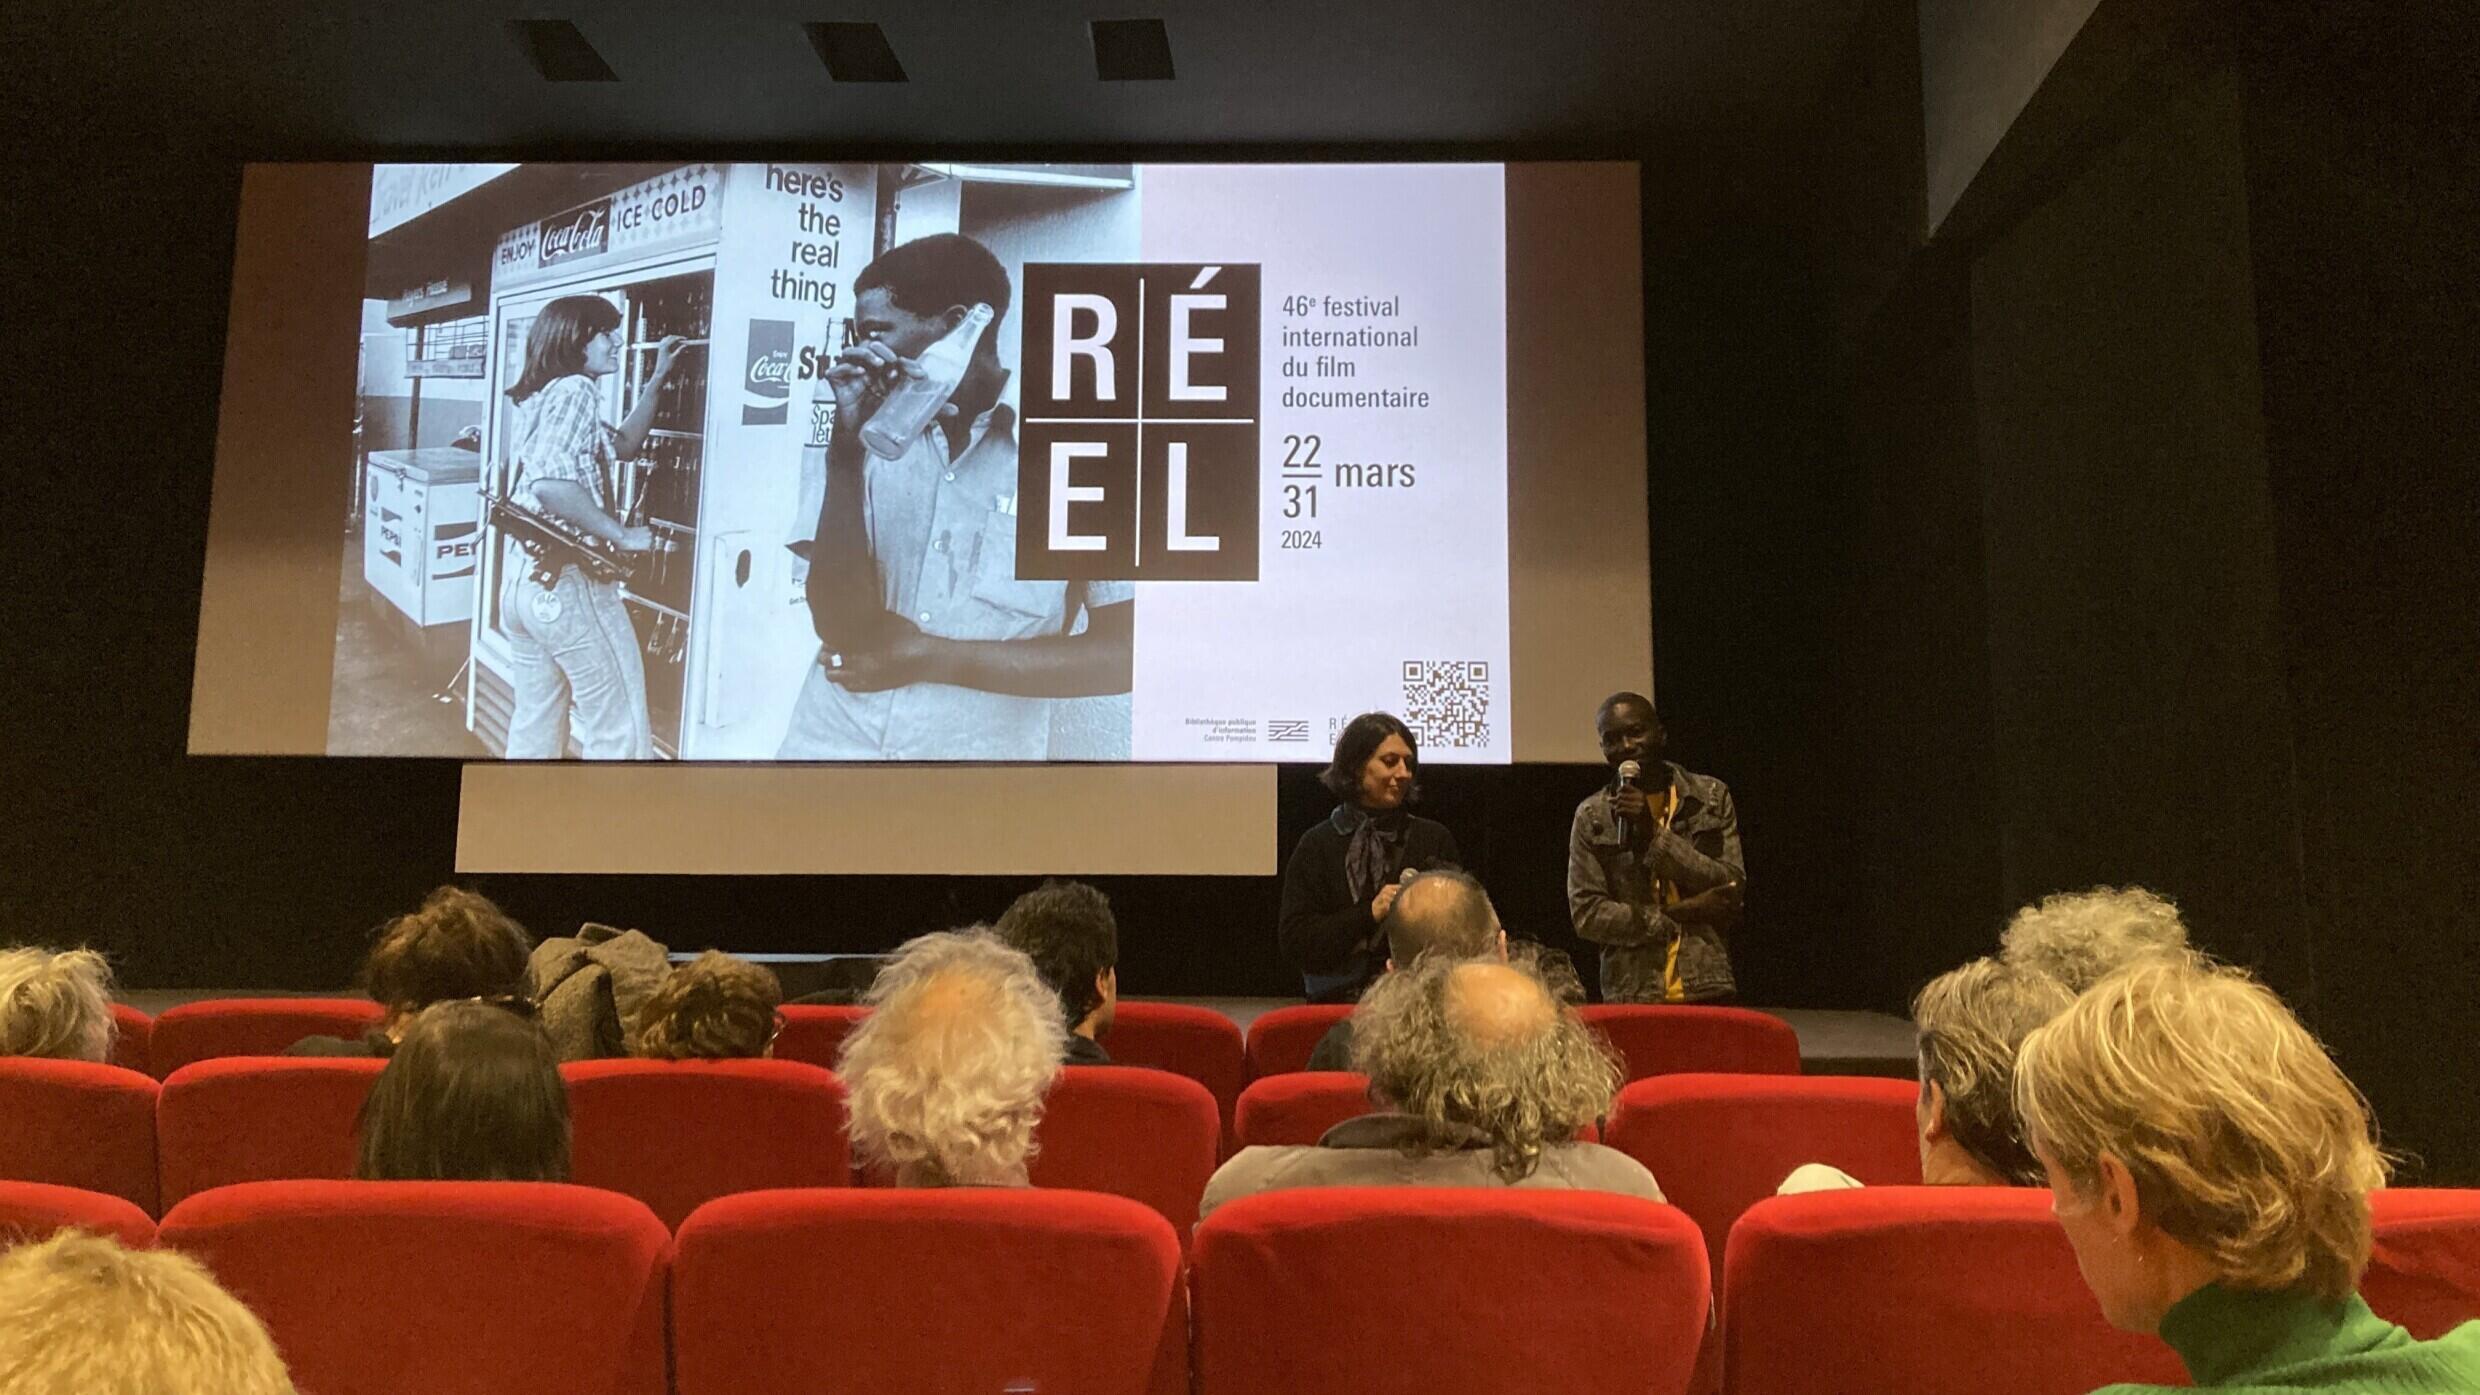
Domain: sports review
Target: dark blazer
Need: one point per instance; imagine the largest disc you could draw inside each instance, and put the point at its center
(1327, 935)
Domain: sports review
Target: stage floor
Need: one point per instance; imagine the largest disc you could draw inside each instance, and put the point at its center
(1832, 1042)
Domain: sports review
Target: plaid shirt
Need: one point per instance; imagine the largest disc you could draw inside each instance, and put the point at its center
(1618, 894)
(561, 435)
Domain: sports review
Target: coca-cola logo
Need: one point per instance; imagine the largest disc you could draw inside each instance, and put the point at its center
(582, 232)
(766, 384)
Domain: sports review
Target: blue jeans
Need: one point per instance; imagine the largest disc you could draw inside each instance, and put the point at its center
(578, 663)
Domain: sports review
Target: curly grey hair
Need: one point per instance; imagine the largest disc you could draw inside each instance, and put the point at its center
(2081, 937)
(1520, 1073)
(947, 1074)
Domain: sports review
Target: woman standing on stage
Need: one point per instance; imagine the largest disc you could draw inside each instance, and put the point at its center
(577, 654)
(1344, 873)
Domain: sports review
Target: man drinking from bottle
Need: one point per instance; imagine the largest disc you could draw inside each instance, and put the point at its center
(930, 648)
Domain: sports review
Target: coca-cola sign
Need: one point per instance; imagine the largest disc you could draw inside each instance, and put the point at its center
(580, 232)
(766, 386)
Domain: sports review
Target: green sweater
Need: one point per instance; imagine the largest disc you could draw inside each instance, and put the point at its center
(2234, 1339)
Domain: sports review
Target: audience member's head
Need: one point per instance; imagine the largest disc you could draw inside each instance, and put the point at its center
(1444, 913)
(948, 1072)
(712, 1007)
(2194, 1132)
(2081, 937)
(81, 1315)
(1971, 1021)
(458, 945)
(1479, 1052)
(1067, 930)
(473, 1093)
(55, 1004)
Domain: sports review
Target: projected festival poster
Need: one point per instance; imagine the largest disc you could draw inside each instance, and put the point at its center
(1227, 465)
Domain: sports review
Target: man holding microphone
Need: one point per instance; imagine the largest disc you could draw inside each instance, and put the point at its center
(1654, 869)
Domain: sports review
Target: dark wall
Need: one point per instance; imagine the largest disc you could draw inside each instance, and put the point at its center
(2362, 136)
(2141, 721)
(2168, 493)
(1906, 757)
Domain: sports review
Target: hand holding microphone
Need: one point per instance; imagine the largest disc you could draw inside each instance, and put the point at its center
(1628, 802)
(1385, 899)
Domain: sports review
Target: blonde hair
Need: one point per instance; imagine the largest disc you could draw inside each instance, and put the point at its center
(1971, 1021)
(55, 1004)
(713, 1007)
(80, 1315)
(2245, 1141)
(948, 1073)
(1521, 1089)
(2081, 937)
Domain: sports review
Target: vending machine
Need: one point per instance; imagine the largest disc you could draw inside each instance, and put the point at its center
(699, 251)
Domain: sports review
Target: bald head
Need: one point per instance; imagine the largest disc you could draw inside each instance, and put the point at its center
(1496, 1007)
(1480, 1049)
(1446, 913)
(948, 1001)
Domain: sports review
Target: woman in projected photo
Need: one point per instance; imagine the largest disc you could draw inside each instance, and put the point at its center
(577, 656)
(1344, 872)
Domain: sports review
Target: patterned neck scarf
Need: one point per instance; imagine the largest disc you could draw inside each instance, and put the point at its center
(1375, 853)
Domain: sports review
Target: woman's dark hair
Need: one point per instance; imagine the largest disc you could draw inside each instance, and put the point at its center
(473, 1094)
(458, 945)
(556, 346)
(1361, 738)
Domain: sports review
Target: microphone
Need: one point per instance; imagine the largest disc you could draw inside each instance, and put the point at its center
(1628, 772)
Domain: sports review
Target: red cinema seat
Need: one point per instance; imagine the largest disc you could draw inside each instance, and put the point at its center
(1918, 1291)
(251, 1027)
(2426, 1270)
(1197, 1042)
(1147, 1135)
(260, 1119)
(377, 1288)
(1354, 1289)
(1658, 1040)
(956, 1289)
(34, 1210)
(1281, 1039)
(678, 1134)
(130, 1030)
(814, 1033)
(1718, 1144)
(78, 1124)
(1299, 1108)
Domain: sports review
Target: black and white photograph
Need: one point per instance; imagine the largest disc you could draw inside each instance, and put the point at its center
(601, 414)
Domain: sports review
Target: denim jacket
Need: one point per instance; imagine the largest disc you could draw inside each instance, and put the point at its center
(1611, 891)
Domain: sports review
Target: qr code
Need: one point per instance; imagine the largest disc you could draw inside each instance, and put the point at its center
(1447, 703)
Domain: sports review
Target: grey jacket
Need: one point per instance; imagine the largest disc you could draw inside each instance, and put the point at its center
(588, 988)
(1610, 891)
(1370, 1152)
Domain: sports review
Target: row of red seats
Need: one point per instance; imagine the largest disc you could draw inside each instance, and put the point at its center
(1199, 1043)
(676, 1134)
(562, 1290)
